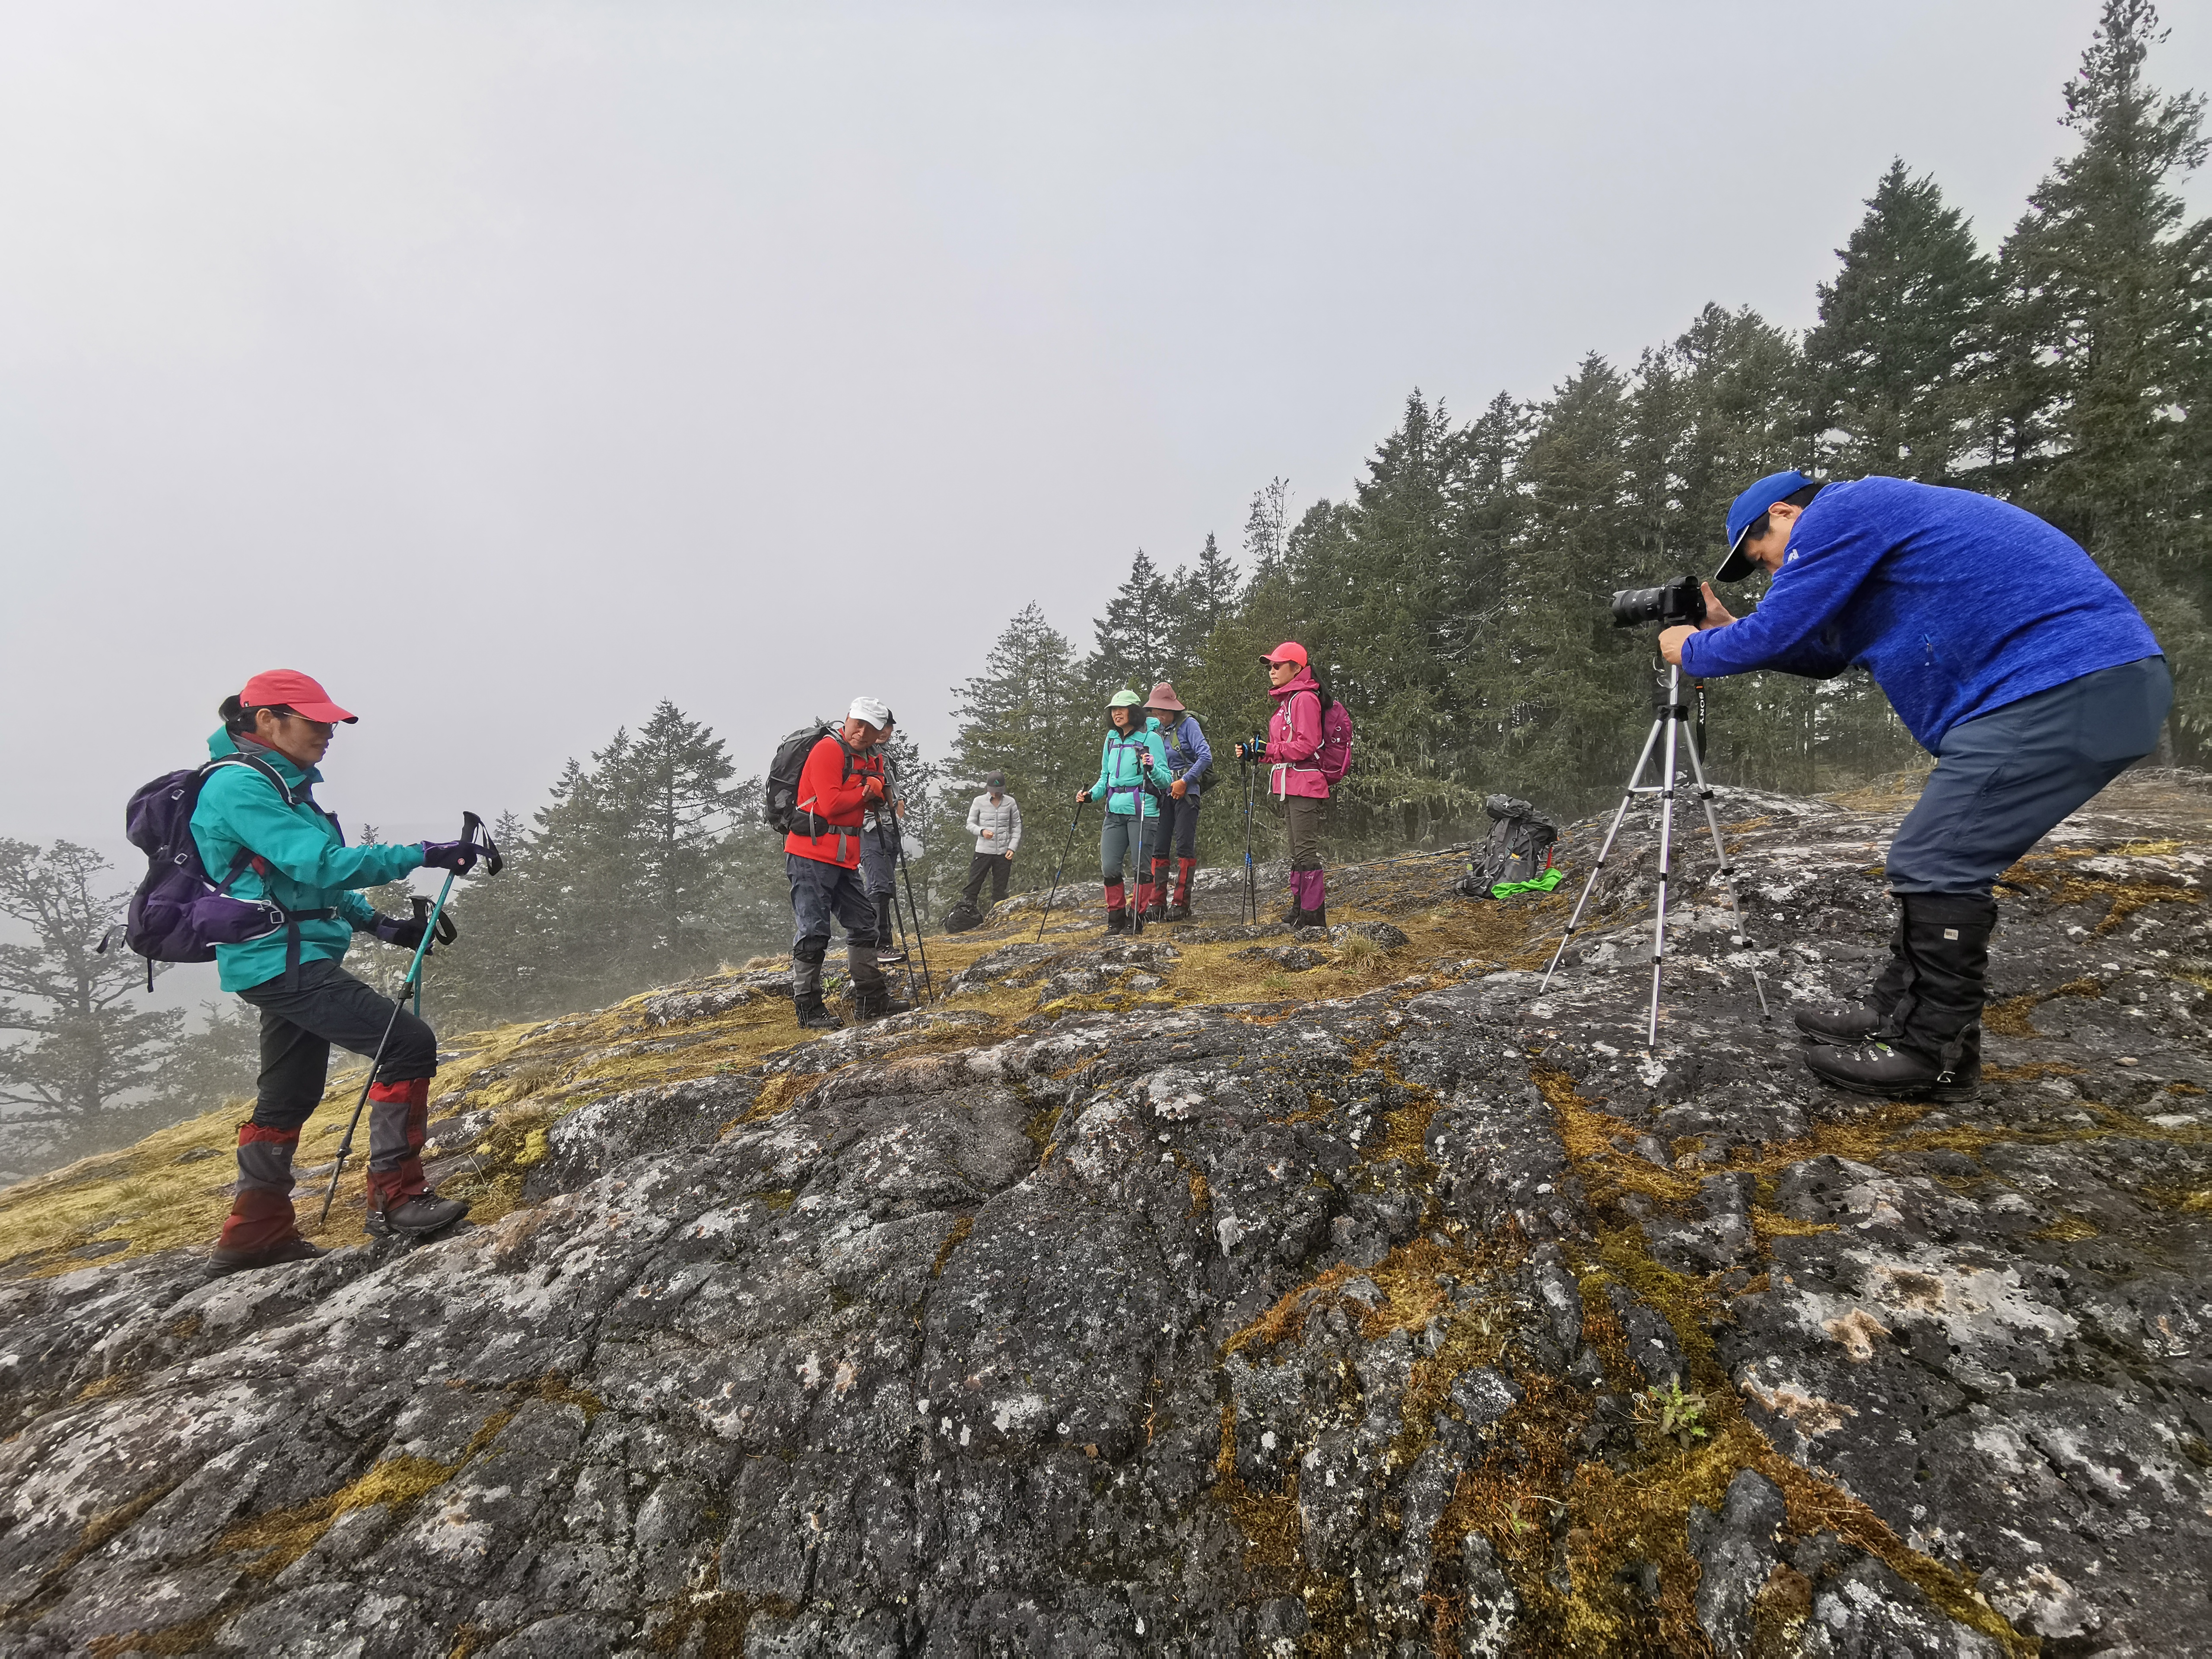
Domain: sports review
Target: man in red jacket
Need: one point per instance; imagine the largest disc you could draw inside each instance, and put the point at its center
(843, 776)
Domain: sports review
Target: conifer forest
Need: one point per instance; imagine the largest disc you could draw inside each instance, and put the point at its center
(1454, 597)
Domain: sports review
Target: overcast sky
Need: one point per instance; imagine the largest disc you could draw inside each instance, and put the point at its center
(511, 366)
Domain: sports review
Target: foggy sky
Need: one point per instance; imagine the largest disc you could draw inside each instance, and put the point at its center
(512, 366)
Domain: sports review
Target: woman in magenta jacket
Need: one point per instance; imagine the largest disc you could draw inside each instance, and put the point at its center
(1292, 752)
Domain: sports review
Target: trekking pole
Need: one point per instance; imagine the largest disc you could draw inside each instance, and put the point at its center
(1065, 847)
(899, 919)
(472, 827)
(1251, 896)
(928, 985)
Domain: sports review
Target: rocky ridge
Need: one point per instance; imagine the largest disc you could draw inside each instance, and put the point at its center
(1213, 1291)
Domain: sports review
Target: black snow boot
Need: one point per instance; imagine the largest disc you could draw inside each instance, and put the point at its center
(1855, 1022)
(1930, 1045)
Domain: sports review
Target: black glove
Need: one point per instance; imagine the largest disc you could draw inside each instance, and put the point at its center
(405, 932)
(1255, 750)
(457, 856)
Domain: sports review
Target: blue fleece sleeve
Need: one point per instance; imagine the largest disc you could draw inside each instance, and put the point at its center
(357, 910)
(1786, 632)
(1098, 789)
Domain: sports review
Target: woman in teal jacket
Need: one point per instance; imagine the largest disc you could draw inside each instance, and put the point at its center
(1133, 756)
(257, 821)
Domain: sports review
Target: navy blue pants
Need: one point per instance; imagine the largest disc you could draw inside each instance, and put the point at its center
(2002, 780)
(821, 893)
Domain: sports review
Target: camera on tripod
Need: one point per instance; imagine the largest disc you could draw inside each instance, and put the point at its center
(1678, 602)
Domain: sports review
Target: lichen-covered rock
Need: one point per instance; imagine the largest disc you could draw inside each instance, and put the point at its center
(1441, 1317)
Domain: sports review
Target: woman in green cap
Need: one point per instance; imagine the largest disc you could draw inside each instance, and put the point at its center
(1132, 762)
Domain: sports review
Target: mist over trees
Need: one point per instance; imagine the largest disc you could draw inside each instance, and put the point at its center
(1454, 600)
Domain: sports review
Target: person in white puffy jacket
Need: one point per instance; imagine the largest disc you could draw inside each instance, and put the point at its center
(994, 818)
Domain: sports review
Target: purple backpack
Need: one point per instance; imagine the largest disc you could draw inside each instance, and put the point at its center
(1333, 758)
(180, 914)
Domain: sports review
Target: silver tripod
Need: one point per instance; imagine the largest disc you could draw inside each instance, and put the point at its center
(1672, 719)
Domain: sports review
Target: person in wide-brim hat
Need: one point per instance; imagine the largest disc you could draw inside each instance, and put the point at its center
(1190, 759)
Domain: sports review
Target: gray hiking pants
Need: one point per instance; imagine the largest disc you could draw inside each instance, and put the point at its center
(2001, 781)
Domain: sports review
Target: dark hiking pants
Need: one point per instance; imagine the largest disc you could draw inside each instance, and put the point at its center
(821, 893)
(994, 867)
(300, 1022)
(2003, 781)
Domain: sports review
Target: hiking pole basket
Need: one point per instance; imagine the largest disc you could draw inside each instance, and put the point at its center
(1065, 847)
(1673, 721)
(434, 923)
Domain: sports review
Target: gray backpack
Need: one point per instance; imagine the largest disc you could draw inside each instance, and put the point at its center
(1519, 849)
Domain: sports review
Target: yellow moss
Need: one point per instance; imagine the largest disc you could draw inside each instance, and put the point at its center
(953, 1241)
(282, 1536)
(2011, 1017)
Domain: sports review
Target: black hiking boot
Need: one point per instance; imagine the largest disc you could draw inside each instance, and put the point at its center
(877, 1004)
(1178, 913)
(1857, 1022)
(1295, 916)
(813, 1017)
(1886, 1068)
(1117, 922)
(294, 1248)
(417, 1217)
(1929, 1046)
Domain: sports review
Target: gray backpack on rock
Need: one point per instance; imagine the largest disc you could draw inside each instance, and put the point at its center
(1519, 849)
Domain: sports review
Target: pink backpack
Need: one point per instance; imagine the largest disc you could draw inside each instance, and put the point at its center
(1333, 758)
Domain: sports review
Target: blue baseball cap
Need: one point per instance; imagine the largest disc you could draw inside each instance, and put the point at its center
(1744, 511)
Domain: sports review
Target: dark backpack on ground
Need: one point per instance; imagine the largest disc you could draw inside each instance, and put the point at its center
(960, 918)
(780, 808)
(1519, 849)
(179, 912)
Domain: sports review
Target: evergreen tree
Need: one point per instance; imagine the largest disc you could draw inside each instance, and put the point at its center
(675, 798)
(1032, 715)
(1132, 639)
(81, 1072)
(1895, 361)
(1267, 529)
(2108, 280)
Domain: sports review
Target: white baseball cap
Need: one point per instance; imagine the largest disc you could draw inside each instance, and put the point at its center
(878, 715)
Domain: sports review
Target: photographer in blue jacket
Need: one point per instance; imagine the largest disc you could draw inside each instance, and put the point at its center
(2006, 653)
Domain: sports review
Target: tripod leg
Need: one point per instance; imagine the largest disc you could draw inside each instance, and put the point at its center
(1589, 882)
(1666, 864)
(1728, 870)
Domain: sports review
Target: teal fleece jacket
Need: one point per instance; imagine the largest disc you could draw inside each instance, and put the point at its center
(301, 861)
(1123, 764)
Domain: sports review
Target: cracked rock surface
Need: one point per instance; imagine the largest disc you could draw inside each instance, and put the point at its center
(1439, 1316)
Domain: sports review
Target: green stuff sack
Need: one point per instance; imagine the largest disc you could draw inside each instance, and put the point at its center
(1543, 884)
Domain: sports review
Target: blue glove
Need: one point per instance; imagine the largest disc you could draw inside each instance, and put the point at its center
(404, 932)
(457, 856)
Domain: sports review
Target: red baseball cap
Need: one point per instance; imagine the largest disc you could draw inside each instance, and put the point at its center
(1288, 651)
(289, 688)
